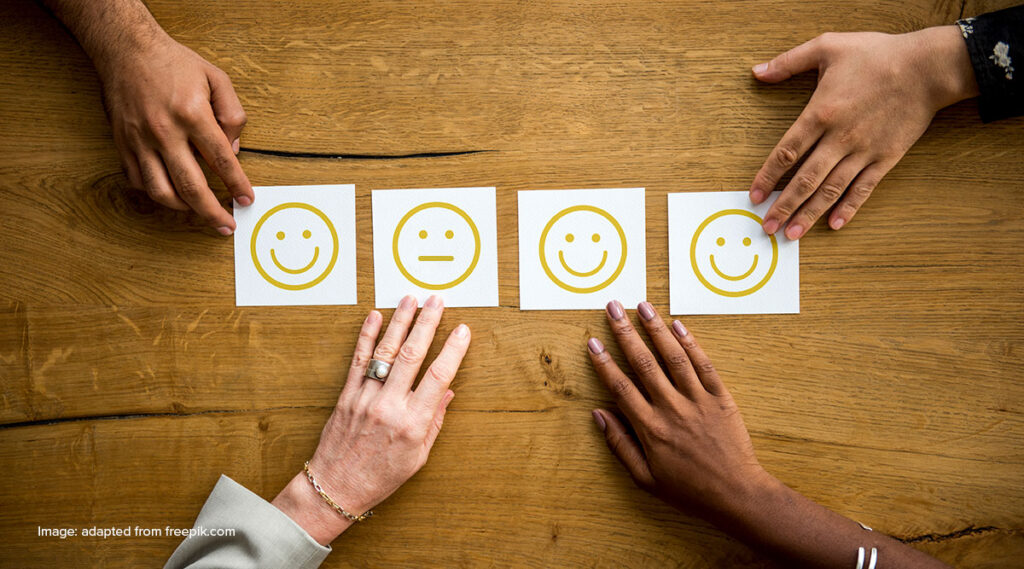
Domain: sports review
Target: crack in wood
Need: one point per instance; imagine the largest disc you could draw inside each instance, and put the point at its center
(939, 537)
(122, 416)
(348, 156)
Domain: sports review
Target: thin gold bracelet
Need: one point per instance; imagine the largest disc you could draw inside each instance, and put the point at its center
(332, 503)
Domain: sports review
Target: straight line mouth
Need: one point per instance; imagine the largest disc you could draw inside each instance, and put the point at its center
(437, 258)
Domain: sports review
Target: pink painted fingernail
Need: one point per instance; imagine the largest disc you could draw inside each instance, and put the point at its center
(646, 310)
(794, 232)
(225, 230)
(770, 226)
(679, 329)
(407, 302)
(236, 146)
(462, 331)
(434, 302)
(757, 196)
(243, 200)
(595, 345)
(760, 68)
(615, 310)
(599, 420)
(837, 223)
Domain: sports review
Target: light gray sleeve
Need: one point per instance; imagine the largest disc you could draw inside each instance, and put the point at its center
(263, 535)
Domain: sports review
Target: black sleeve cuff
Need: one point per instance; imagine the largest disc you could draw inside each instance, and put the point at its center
(995, 42)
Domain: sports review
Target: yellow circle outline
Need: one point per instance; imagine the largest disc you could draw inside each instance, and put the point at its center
(398, 258)
(256, 232)
(693, 254)
(544, 237)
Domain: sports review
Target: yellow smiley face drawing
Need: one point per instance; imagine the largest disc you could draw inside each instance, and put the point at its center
(583, 249)
(731, 255)
(294, 246)
(436, 245)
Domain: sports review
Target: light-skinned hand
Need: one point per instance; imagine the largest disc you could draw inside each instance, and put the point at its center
(379, 434)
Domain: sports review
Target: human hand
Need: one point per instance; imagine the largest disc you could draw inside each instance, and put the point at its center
(690, 447)
(165, 104)
(379, 434)
(875, 97)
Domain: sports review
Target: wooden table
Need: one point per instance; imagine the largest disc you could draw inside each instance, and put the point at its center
(129, 381)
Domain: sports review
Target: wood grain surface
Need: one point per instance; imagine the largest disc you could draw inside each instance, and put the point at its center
(129, 381)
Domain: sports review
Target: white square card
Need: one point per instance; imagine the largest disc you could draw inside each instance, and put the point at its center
(722, 262)
(296, 245)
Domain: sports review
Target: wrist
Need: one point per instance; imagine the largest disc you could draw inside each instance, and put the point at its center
(944, 65)
(300, 502)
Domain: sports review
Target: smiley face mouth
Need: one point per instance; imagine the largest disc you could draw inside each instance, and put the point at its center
(436, 258)
(316, 255)
(730, 277)
(561, 258)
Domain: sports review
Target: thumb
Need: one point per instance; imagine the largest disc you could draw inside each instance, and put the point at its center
(226, 106)
(803, 57)
(625, 448)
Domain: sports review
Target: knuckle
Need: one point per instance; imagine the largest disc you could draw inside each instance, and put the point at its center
(861, 192)
(677, 360)
(831, 191)
(645, 364)
(785, 156)
(223, 163)
(783, 208)
(360, 361)
(236, 118)
(438, 374)
(805, 184)
(623, 327)
(824, 114)
(189, 190)
(385, 351)
(705, 367)
(621, 387)
(411, 353)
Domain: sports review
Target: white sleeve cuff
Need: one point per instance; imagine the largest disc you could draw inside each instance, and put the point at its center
(263, 535)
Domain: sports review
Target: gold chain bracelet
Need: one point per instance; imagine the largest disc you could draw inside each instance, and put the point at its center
(332, 503)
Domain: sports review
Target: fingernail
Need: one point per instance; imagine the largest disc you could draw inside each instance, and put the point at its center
(838, 223)
(236, 146)
(757, 196)
(225, 230)
(434, 302)
(646, 310)
(243, 200)
(373, 316)
(599, 420)
(615, 310)
(407, 302)
(448, 398)
(770, 226)
(793, 232)
(679, 329)
(462, 330)
(595, 345)
(760, 68)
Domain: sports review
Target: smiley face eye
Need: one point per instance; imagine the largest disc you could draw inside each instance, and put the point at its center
(569, 237)
(280, 235)
(307, 234)
(423, 233)
(595, 238)
(720, 241)
(449, 234)
(746, 242)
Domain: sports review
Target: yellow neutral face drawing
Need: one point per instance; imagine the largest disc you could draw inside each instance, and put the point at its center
(731, 255)
(583, 249)
(436, 245)
(294, 246)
